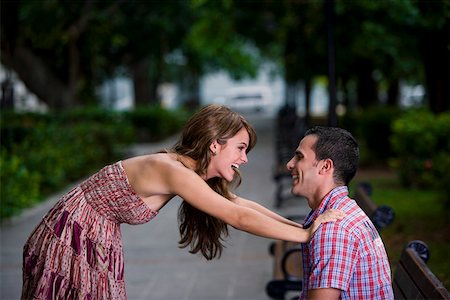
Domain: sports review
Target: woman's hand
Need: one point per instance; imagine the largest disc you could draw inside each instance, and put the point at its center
(330, 215)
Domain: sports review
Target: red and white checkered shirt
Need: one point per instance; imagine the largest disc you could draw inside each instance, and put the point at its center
(348, 255)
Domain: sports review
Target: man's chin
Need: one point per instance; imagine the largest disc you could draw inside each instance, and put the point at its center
(296, 192)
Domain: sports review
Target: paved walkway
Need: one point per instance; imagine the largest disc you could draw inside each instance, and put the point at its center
(155, 268)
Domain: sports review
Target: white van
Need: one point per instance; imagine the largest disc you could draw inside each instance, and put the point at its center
(249, 98)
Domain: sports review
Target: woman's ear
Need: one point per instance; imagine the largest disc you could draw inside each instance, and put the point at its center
(213, 147)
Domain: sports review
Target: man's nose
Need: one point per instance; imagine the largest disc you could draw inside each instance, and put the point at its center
(290, 164)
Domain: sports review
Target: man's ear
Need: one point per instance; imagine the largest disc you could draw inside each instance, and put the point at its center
(326, 166)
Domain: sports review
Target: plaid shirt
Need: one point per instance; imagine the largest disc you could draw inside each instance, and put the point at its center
(348, 255)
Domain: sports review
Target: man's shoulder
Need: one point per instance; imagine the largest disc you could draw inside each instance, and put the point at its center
(353, 223)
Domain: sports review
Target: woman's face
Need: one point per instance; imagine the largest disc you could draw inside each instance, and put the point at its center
(228, 156)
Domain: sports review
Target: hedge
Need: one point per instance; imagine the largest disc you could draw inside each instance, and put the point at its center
(41, 153)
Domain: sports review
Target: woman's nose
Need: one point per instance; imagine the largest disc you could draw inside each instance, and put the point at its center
(244, 158)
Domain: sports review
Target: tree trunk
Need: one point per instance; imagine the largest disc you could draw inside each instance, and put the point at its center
(290, 94)
(29, 68)
(190, 90)
(37, 77)
(141, 83)
(393, 93)
(436, 57)
(366, 89)
(308, 89)
(74, 72)
(330, 15)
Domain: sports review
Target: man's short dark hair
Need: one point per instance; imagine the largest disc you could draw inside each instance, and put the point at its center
(341, 147)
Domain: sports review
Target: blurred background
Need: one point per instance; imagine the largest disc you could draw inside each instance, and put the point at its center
(83, 81)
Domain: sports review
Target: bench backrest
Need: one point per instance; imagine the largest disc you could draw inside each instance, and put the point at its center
(414, 280)
(381, 216)
(364, 201)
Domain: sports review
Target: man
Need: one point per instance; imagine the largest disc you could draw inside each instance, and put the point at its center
(345, 259)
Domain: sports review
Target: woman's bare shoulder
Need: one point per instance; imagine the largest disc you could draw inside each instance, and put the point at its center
(149, 159)
(151, 174)
(155, 164)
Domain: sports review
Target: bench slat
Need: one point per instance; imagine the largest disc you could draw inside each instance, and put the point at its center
(381, 216)
(278, 254)
(364, 201)
(405, 285)
(398, 293)
(292, 263)
(421, 276)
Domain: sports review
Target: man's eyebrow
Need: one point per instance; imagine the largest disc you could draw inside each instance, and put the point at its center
(244, 143)
(298, 153)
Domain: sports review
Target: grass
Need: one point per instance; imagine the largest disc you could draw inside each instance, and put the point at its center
(419, 215)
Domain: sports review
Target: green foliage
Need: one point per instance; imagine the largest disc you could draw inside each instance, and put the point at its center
(19, 185)
(419, 215)
(154, 123)
(414, 142)
(372, 129)
(375, 128)
(40, 153)
(421, 143)
(194, 37)
(215, 42)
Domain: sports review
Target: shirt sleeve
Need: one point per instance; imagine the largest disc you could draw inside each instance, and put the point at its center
(333, 257)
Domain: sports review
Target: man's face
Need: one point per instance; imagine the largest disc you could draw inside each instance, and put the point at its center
(305, 171)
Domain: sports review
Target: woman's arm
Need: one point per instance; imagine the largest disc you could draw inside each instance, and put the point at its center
(193, 189)
(258, 207)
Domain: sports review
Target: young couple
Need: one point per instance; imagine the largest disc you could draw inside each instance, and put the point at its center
(76, 250)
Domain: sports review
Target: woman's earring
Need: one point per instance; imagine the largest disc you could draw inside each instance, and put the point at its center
(214, 153)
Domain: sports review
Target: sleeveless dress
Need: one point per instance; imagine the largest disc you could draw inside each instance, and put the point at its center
(76, 251)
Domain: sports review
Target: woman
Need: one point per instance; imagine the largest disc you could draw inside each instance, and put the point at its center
(76, 251)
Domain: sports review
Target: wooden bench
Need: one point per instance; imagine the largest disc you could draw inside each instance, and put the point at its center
(413, 279)
(287, 258)
(289, 129)
(381, 216)
(287, 270)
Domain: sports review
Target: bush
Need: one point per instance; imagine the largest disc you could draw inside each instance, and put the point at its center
(155, 123)
(375, 128)
(421, 143)
(40, 153)
(20, 186)
(372, 128)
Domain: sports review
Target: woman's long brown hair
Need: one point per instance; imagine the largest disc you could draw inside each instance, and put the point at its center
(199, 230)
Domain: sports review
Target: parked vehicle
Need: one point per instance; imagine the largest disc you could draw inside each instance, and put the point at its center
(249, 98)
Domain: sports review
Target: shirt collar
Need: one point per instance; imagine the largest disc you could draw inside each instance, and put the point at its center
(328, 201)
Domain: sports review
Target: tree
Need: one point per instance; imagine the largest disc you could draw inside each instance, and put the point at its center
(48, 45)
(149, 31)
(434, 42)
(397, 40)
(214, 42)
(290, 33)
(64, 50)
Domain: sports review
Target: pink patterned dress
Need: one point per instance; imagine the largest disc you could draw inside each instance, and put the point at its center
(76, 251)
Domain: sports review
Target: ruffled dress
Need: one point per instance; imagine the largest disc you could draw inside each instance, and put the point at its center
(76, 251)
